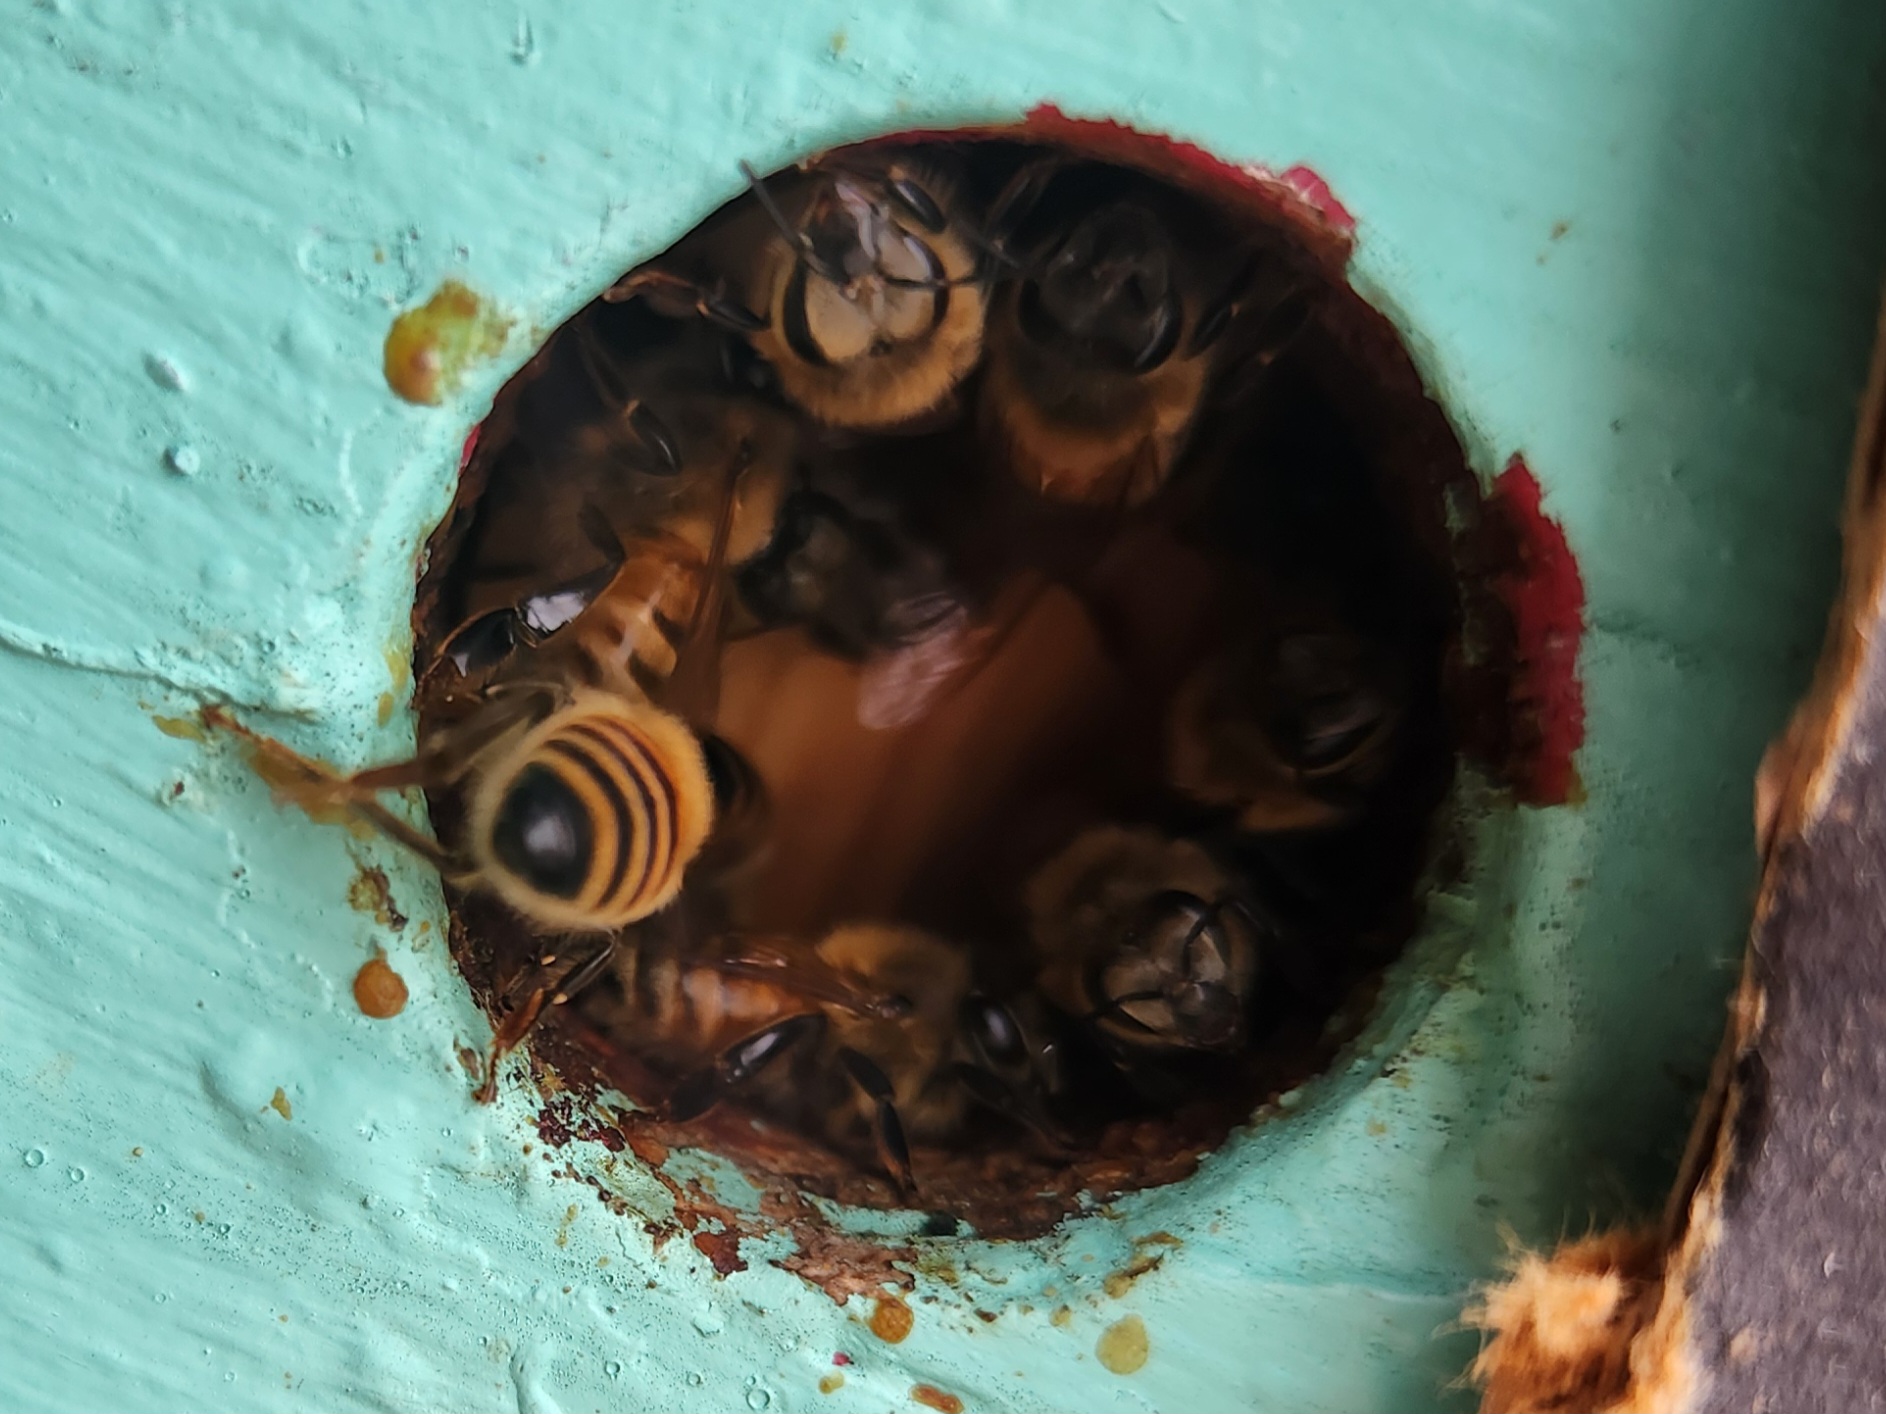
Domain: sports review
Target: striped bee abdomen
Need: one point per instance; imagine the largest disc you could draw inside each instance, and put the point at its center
(591, 821)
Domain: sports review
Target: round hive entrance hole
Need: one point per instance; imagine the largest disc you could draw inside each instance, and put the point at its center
(1029, 579)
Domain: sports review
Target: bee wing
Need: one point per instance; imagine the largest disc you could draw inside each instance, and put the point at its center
(904, 685)
(693, 689)
(795, 965)
(481, 644)
(900, 686)
(675, 296)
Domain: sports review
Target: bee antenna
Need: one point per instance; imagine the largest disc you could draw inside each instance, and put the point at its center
(795, 237)
(904, 282)
(1116, 1007)
(601, 532)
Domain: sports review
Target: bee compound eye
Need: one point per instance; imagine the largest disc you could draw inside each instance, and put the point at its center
(727, 772)
(1209, 1015)
(995, 1031)
(543, 834)
(917, 203)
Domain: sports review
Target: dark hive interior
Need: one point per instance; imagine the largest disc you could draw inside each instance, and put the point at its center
(1066, 573)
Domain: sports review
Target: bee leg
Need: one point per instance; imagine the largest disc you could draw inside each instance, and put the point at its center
(1012, 206)
(451, 753)
(522, 1019)
(698, 1092)
(582, 976)
(886, 1128)
(670, 294)
(448, 862)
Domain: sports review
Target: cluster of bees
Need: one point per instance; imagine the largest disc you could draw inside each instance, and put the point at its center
(880, 401)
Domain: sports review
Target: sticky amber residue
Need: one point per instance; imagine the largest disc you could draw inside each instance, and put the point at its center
(379, 991)
(385, 712)
(936, 1398)
(832, 1383)
(891, 1320)
(371, 893)
(1122, 1346)
(429, 348)
(1060, 1316)
(189, 728)
(279, 1103)
(563, 1228)
(399, 664)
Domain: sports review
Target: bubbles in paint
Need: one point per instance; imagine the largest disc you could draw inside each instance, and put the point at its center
(612, 1368)
(33, 1158)
(76, 1174)
(758, 1398)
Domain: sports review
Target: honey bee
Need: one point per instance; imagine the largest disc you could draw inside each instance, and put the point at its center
(865, 295)
(898, 1047)
(1289, 729)
(1147, 942)
(588, 789)
(1103, 338)
(675, 416)
(846, 564)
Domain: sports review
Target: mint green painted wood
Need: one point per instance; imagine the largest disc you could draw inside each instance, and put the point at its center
(206, 491)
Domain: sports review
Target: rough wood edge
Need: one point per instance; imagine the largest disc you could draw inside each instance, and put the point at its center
(1603, 1323)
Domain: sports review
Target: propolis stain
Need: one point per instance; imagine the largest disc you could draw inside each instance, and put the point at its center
(184, 728)
(936, 1398)
(891, 1320)
(372, 893)
(379, 991)
(429, 348)
(1122, 1346)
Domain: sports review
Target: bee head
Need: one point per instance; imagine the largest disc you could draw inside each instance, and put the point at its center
(1328, 705)
(1181, 975)
(1104, 295)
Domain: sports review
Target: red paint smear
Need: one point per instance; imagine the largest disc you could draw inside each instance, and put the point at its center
(471, 445)
(840, 1358)
(723, 1250)
(1106, 138)
(1545, 595)
(1314, 192)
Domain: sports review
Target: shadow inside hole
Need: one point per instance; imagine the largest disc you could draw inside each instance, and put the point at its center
(1324, 484)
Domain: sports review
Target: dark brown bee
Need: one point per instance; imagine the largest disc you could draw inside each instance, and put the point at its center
(846, 564)
(674, 416)
(1102, 340)
(1147, 941)
(858, 283)
(898, 1054)
(1289, 729)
